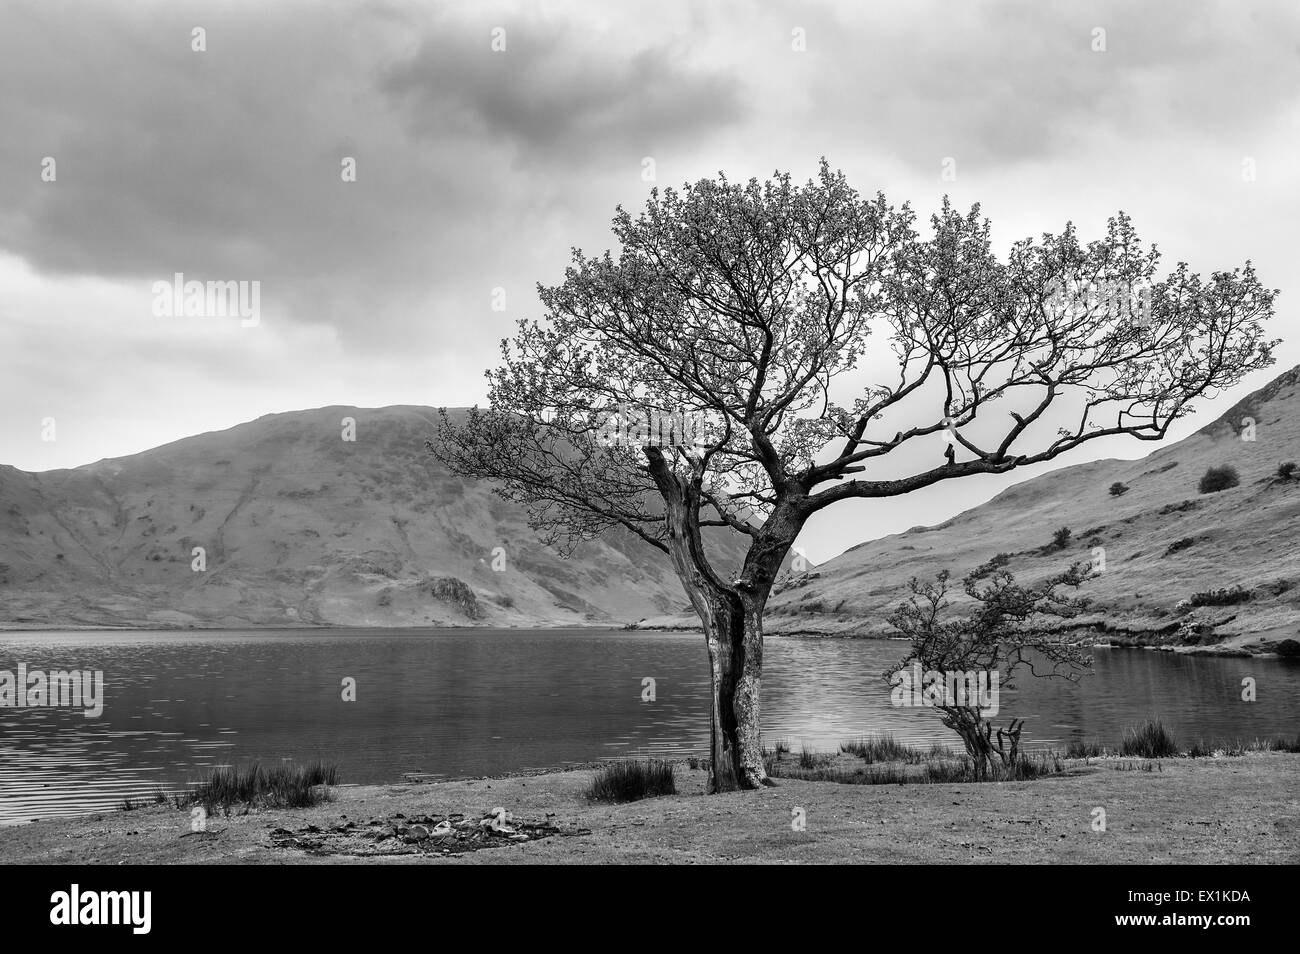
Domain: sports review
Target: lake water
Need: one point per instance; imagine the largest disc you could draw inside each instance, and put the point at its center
(457, 703)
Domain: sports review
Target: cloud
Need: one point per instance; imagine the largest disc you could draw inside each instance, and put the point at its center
(994, 84)
(226, 164)
(558, 94)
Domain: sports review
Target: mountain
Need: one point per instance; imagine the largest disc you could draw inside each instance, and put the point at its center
(1163, 540)
(301, 527)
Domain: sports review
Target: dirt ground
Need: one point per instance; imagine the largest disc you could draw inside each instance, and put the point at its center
(1221, 810)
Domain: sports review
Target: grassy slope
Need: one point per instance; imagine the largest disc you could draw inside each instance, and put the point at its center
(1244, 536)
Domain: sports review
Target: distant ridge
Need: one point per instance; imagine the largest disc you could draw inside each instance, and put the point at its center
(300, 527)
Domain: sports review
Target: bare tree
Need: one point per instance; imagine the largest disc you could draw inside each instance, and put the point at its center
(749, 305)
(1006, 632)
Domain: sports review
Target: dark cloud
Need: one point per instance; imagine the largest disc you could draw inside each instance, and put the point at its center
(225, 164)
(557, 94)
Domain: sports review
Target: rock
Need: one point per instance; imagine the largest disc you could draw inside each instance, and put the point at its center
(497, 819)
(456, 593)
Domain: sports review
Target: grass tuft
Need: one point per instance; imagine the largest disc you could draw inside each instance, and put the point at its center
(1084, 749)
(630, 781)
(282, 786)
(879, 748)
(1150, 740)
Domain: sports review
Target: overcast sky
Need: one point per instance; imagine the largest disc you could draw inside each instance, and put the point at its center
(478, 170)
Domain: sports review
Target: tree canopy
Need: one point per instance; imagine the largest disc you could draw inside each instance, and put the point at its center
(742, 306)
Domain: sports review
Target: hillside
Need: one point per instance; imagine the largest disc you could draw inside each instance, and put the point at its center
(303, 528)
(1164, 541)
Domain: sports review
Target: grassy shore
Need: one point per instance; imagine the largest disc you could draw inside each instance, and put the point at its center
(1242, 809)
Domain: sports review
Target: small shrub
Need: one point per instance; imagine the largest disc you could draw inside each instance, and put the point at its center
(1118, 489)
(807, 758)
(1288, 649)
(1225, 597)
(283, 786)
(984, 569)
(631, 781)
(1200, 750)
(1061, 538)
(1150, 740)
(1182, 544)
(1219, 478)
(878, 748)
(1287, 471)
(1083, 749)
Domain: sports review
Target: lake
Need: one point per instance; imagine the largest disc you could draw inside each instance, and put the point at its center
(458, 703)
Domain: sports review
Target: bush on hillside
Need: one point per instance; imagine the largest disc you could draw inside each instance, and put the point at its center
(1219, 478)
(1224, 597)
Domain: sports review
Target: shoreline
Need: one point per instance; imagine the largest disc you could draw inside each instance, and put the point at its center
(1232, 647)
(1217, 810)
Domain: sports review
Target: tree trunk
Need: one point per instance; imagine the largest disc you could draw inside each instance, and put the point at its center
(975, 736)
(732, 616)
(733, 630)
